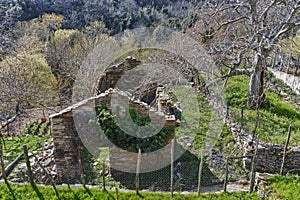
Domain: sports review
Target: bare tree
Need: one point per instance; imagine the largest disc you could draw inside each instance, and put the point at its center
(244, 36)
(65, 53)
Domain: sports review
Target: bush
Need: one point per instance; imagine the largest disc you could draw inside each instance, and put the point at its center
(127, 142)
(274, 118)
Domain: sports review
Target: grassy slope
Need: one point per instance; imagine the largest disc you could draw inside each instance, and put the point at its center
(275, 118)
(284, 187)
(278, 187)
(13, 146)
(25, 192)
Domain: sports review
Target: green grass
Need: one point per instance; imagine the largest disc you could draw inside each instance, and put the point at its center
(284, 187)
(196, 115)
(274, 118)
(26, 192)
(278, 187)
(13, 146)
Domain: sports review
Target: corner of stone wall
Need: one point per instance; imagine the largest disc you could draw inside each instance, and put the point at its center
(65, 148)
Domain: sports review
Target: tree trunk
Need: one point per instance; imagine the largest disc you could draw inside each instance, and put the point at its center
(256, 96)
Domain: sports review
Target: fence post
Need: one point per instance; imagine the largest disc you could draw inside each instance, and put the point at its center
(49, 176)
(253, 167)
(285, 149)
(103, 174)
(172, 168)
(4, 173)
(226, 174)
(200, 172)
(242, 117)
(68, 173)
(227, 111)
(30, 174)
(81, 168)
(138, 167)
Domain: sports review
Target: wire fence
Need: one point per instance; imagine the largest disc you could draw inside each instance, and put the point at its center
(179, 176)
(188, 173)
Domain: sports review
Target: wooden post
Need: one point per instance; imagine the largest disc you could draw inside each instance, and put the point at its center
(30, 174)
(117, 193)
(68, 174)
(253, 167)
(12, 165)
(172, 168)
(4, 173)
(285, 149)
(227, 111)
(200, 172)
(103, 175)
(8, 129)
(138, 167)
(49, 177)
(256, 122)
(81, 168)
(226, 174)
(242, 117)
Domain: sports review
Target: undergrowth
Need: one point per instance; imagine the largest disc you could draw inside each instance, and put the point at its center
(284, 187)
(274, 118)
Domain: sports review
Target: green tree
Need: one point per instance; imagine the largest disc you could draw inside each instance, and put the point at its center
(26, 79)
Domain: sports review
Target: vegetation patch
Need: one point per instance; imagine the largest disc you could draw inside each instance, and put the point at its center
(284, 187)
(13, 146)
(127, 142)
(274, 119)
(26, 192)
(278, 187)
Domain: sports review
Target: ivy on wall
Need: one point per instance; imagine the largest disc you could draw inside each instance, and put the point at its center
(128, 142)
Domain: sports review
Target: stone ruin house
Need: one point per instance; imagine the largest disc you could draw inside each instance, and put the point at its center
(69, 146)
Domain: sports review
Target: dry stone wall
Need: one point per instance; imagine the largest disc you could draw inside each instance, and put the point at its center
(67, 141)
(269, 156)
(112, 74)
(66, 144)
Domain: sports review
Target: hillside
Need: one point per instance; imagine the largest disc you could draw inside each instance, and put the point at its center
(179, 96)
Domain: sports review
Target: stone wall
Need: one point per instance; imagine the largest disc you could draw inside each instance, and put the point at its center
(66, 144)
(67, 141)
(122, 159)
(290, 79)
(269, 156)
(112, 74)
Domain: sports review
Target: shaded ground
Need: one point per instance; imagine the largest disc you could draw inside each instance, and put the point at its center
(186, 170)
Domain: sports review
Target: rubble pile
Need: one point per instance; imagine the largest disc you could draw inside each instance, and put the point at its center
(43, 167)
